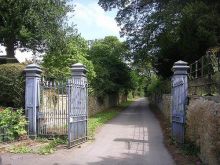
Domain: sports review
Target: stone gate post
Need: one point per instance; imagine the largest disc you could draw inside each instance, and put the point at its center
(179, 100)
(32, 97)
(78, 71)
(78, 78)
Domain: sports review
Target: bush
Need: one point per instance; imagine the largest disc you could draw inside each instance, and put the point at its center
(12, 85)
(13, 123)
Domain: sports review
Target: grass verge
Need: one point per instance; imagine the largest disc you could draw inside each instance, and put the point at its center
(22, 149)
(51, 146)
(38, 146)
(101, 118)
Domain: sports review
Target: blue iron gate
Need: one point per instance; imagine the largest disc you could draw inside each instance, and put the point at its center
(179, 100)
(77, 112)
(63, 109)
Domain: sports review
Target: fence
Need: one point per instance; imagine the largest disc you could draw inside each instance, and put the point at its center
(204, 74)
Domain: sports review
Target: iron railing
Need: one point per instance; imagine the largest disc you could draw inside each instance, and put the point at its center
(53, 109)
(204, 77)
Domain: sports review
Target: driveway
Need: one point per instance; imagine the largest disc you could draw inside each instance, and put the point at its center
(134, 137)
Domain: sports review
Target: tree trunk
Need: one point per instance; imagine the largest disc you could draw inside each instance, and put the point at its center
(10, 49)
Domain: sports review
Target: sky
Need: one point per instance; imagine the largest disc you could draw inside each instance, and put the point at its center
(91, 21)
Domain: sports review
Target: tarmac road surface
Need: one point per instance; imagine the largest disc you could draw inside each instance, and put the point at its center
(134, 137)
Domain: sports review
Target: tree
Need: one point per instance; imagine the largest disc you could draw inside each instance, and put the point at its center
(164, 31)
(112, 74)
(138, 83)
(58, 60)
(30, 24)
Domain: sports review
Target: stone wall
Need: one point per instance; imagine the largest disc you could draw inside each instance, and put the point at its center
(98, 104)
(202, 123)
(202, 114)
(166, 106)
(202, 128)
(51, 100)
(163, 101)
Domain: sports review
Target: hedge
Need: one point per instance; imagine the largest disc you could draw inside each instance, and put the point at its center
(12, 85)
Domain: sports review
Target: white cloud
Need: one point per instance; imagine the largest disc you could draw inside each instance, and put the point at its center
(95, 19)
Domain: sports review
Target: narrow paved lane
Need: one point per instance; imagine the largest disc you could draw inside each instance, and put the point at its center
(132, 138)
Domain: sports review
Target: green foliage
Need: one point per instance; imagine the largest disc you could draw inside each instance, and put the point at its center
(190, 148)
(51, 147)
(13, 122)
(57, 62)
(157, 84)
(42, 140)
(138, 83)
(12, 85)
(31, 24)
(46, 146)
(107, 73)
(112, 74)
(164, 32)
(154, 85)
(20, 149)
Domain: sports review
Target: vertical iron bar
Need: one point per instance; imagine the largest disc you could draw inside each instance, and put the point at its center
(55, 110)
(218, 56)
(202, 72)
(190, 71)
(77, 108)
(67, 108)
(196, 69)
(202, 66)
(51, 112)
(61, 111)
(62, 108)
(58, 108)
(69, 111)
(209, 74)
